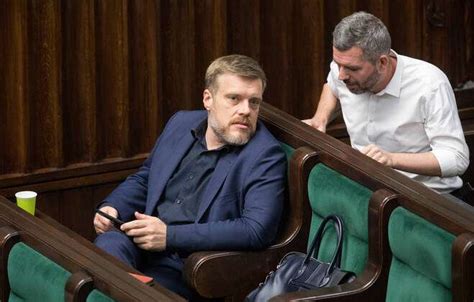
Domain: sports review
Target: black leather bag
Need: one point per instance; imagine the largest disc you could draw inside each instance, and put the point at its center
(298, 271)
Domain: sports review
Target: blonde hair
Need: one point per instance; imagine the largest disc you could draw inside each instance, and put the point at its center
(235, 64)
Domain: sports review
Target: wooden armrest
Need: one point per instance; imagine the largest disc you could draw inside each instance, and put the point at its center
(78, 286)
(463, 267)
(221, 274)
(8, 236)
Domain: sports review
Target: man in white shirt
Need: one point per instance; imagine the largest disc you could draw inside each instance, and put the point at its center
(398, 110)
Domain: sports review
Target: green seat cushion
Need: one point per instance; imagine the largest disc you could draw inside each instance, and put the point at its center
(98, 296)
(421, 261)
(34, 277)
(330, 192)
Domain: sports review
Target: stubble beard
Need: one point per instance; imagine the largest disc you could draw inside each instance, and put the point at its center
(224, 136)
(368, 85)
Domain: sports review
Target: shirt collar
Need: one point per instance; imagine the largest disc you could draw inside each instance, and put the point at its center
(394, 86)
(199, 133)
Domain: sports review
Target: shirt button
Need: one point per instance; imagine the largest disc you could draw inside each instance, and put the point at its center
(191, 176)
(178, 201)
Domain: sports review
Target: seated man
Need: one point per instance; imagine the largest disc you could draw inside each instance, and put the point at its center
(398, 110)
(215, 180)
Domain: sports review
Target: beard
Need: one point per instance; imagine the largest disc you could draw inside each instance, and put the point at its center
(366, 86)
(224, 134)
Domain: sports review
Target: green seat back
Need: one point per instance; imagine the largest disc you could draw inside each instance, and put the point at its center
(330, 192)
(288, 150)
(98, 296)
(34, 277)
(421, 261)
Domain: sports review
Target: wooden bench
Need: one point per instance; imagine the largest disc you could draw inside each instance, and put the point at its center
(59, 267)
(426, 204)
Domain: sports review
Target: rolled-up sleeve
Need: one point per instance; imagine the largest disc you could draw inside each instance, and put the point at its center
(444, 130)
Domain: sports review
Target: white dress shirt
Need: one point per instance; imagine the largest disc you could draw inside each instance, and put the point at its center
(415, 113)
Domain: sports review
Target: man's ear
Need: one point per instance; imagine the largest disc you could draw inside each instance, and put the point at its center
(207, 99)
(382, 63)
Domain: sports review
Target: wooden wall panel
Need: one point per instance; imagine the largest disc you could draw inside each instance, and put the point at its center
(243, 27)
(437, 22)
(309, 60)
(210, 25)
(276, 48)
(145, 86)
(14, 121)
(178, 53)
(79, 82)
(406, 26)
(88, 83)
(44, 85)
(468, 27)
(112, 56)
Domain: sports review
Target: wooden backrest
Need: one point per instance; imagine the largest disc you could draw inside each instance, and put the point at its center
(423, 200)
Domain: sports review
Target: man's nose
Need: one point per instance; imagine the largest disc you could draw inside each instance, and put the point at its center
(244, 107)
(342, 74)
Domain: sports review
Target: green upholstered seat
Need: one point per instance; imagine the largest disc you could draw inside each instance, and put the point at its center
(34, 277)
(98, 296)
(330, 192)
(421, 262)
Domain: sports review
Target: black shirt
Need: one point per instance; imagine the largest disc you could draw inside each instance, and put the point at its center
(183, 192)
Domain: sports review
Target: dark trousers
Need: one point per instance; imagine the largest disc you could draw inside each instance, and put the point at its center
(165, 267)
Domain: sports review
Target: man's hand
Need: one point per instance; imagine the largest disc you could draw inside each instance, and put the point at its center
(148, 232)
(382, 156)
(315, 124)
(326, 107)
(102, 224)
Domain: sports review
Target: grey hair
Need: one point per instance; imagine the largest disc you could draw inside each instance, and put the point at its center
(365, 31)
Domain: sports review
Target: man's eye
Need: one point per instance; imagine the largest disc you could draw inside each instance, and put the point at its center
(255, 102)
(352, 68)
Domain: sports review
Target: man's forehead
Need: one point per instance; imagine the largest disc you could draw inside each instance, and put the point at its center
(352, 56)
(233, 81)
(229, 76)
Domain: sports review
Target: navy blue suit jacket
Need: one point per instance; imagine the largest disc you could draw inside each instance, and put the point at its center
(242, 202)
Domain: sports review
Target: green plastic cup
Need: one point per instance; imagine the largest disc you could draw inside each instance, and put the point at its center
(27, 201)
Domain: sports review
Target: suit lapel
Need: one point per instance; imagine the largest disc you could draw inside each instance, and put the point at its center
(165, 165)
(216, 181)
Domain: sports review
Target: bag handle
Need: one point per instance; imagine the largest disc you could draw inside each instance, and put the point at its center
(336, 259)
